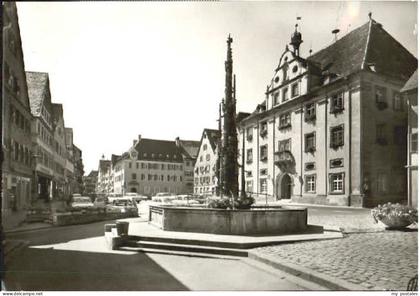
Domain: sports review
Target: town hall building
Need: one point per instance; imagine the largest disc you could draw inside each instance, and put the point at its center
(332, 126)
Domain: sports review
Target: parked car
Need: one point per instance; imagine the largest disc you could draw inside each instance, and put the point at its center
(138, 198)
(81, 202)
(163, 197)
(100, 202)
(113, 196)
(122, 205)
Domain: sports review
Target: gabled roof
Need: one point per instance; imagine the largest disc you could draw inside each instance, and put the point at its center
(241, 115)
(57, 112)
(213, 136)
(93, 174)
(104, 165)
(37, 87)
(189, 148)
(114, 158)
(158, 150)
(411, 84)
(368, 47)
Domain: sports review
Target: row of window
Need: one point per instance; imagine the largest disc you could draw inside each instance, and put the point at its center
(19, 121)
(204, 169)
(285, 94)
(207, 157)
(336, 140)
(154, 166)
(205, 190)
(156, 177)
(336, 106)
(20, 153)
(206, 180)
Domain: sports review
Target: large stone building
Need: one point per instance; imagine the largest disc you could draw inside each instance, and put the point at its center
(205, 170)
(410, 91)
(151, 166)
(332, 127)
(16, 154)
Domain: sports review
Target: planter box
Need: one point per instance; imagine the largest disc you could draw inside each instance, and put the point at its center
(236, 222)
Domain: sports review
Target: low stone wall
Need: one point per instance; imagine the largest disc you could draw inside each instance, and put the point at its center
(69, 218)
(236, 222)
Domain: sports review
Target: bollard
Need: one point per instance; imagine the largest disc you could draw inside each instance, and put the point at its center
(108, 227)
(122, 228)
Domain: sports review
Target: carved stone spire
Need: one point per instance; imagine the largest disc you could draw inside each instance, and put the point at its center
(229, 149)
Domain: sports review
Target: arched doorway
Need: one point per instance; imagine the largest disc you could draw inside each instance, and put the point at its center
(284, 186)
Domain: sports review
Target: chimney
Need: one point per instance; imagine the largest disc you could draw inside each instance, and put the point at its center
(139, 137)
(177, 141)
(134, 142)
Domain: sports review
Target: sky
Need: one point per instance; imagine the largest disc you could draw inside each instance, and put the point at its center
(121, 69)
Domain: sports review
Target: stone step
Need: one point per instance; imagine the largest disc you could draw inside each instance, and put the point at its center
(179, 253)
(147, 245)
(197, 242)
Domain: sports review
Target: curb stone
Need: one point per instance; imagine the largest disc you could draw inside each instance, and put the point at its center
(309, 274)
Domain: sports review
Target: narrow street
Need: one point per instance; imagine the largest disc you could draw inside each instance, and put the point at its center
(75, 258)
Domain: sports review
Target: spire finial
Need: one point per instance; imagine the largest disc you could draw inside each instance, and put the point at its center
(370, 15)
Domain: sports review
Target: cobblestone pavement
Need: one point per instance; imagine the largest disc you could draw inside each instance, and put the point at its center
(376, 261)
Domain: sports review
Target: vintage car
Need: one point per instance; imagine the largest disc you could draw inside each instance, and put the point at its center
(122, 205)
(100, 202)
(163, 197)
(81, 202)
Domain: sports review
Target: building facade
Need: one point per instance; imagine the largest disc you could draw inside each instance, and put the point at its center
(90, 183)
(151, 166)
(410, 93)
(17, 156)
(42, 135)
(78, 169)
(205, 169)
(103, 185)
(331, 129)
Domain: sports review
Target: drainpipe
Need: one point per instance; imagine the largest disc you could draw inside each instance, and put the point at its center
(409, 200)
(350, 132)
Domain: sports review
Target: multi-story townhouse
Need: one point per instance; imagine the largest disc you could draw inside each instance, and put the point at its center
(17, 161)
(104, 176)
(89, 183)
(69, 173)
(331, 129)
(410, 91)
(60, 184)
(42, 134)
(151, 166)
(205, 169)
(189, 151)
(78, 169)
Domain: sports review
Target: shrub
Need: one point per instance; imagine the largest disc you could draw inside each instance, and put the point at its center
(226, 203)
(394, 211)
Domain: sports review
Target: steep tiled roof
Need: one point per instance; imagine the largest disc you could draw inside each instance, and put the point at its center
(37, 86)
(368, 47)
(115, 158)
(93, 174)
(241, 115)
(213, 136)
(190, 148)
(104, 165)
(158, 150)
(57, 111)
(411, 84)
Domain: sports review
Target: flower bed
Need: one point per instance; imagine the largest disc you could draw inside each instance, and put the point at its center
(395, 216)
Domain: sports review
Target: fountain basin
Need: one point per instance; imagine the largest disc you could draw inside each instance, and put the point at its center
(235, 222)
